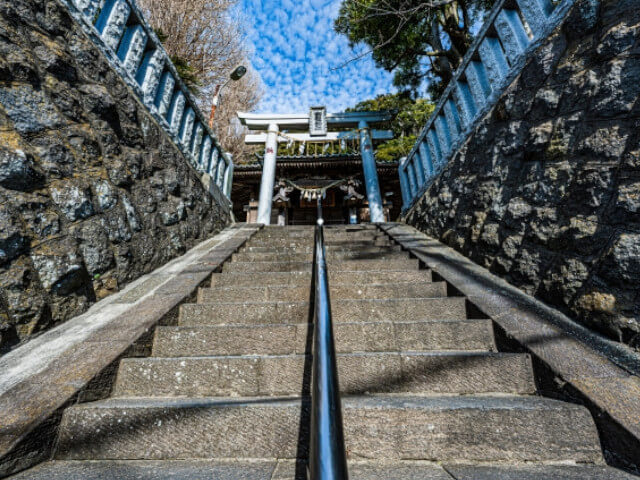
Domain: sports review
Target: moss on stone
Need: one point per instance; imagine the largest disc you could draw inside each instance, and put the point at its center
(557, 149)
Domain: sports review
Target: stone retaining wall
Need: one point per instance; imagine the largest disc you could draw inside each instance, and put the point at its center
(93, 193)
(546, 190)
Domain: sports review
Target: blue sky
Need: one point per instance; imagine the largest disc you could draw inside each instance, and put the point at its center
(294, 48)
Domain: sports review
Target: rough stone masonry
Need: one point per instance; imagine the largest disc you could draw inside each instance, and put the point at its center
(546, 191)
(93, 194)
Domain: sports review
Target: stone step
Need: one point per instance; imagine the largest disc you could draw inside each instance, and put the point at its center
(289, 256)
(537, 472)
(311, 228)
(330, 249)
(266, 469)
(329, 240)
(231, 469)
(273, 256)
(244, 279)
(328, 234)
(349, 337)
(351, 227)
(348, 265)
(458, 428)
(298, 243)
(425, 470)
(238, 313)
(425, 373)
(337, 291)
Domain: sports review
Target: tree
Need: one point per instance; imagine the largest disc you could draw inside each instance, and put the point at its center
(205, 40)
(417, 40)
(411, 116)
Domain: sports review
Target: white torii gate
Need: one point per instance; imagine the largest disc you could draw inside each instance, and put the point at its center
(316, 124)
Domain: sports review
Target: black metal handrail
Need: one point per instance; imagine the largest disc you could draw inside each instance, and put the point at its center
(327, 455)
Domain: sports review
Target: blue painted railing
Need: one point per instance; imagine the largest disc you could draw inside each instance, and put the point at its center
(513, 29)
(119, 30)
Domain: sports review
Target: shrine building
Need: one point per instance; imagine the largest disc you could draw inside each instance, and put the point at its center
(316, 151)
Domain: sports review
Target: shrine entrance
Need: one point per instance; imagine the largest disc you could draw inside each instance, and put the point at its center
(314, 173)
(302, 211)
(302, 152)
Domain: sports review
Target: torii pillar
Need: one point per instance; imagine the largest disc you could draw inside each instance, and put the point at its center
(268, 179)
(370, 174)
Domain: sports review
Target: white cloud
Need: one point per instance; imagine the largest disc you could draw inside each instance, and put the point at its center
(297, 52)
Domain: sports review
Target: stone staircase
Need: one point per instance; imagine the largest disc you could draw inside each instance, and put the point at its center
(224, 394)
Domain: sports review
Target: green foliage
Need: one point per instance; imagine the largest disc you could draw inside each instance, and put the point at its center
(416, 41)
(161, 35)
(395, 149)
(411, 116)
(186, 72)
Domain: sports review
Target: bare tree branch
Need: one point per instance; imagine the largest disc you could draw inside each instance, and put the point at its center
(208, 34)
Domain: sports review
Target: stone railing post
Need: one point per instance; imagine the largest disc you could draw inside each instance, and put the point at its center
(404, 184)
(512, 29)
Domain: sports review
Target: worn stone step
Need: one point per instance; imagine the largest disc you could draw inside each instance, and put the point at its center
(537, 472)
(329, 239)
(288, 256)
(267, 469)
(338, 292)
(425, 470)
(228, 469)
(300, 243)
(273, 256)
(458, 428)
(246, 469)
(349, 337)
(409, 309)
(311, 228)
(347, 265)
(330, 249)
(364, 253)
(269, 375)
(328, 233)
(244, 279)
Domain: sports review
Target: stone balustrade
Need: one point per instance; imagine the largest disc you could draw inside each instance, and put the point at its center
(512, 29)
(119, 30)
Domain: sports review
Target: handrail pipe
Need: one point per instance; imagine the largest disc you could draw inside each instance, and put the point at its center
(327, 454)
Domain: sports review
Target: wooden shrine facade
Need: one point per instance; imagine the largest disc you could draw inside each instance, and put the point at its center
(310, 171)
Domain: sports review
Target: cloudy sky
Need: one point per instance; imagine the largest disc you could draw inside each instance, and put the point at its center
(294, 50)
